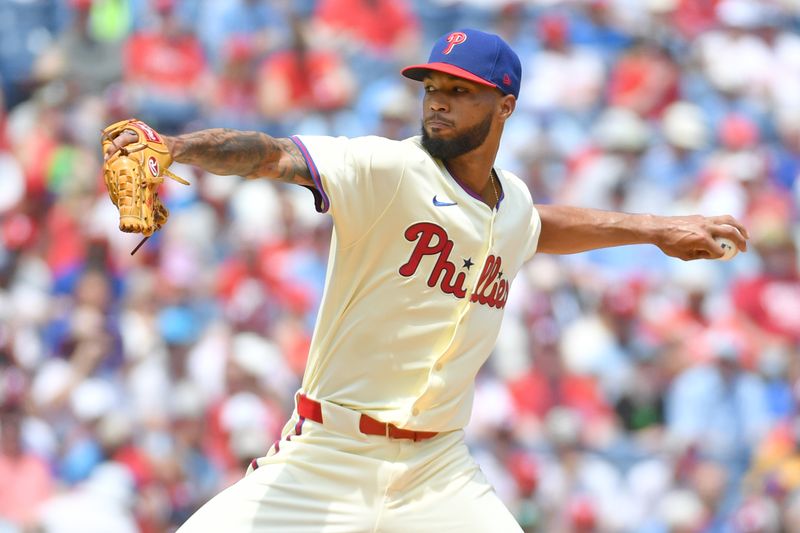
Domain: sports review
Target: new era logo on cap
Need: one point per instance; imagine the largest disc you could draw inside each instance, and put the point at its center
(476, 56)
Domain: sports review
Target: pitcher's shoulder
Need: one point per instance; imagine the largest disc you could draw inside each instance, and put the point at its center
(394, 152)
(515, 187)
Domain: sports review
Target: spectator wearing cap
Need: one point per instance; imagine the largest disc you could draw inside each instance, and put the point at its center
(396, 114)
(675, 160)
(685, 128)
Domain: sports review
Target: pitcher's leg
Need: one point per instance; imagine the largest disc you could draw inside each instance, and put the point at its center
(465, 505)
(302, 489)
(443, 490)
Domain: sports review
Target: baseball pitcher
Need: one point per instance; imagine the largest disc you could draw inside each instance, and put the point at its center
(428, 237)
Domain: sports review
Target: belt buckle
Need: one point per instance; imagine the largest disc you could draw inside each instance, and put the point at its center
(388, 427)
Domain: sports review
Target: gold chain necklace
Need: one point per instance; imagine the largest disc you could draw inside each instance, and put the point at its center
(494, 188)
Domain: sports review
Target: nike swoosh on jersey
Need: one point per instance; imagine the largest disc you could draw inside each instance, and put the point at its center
(439, 203)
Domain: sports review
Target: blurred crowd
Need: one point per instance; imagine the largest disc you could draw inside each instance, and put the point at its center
(628, 392)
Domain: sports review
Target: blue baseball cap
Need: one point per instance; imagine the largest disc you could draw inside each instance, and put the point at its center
(474, 55)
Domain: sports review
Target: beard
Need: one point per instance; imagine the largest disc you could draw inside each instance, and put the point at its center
(445, 149)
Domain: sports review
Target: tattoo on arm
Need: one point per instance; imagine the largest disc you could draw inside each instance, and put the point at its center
(292, 167)
(244, 153)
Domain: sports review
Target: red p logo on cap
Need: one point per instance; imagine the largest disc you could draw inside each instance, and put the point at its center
(457, 37)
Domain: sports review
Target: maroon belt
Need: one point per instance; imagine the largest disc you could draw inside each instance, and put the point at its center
(312, 410)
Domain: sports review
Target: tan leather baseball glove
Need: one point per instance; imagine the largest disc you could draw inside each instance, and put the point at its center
(133, 175)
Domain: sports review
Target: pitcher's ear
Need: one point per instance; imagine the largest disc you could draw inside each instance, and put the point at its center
(507, 105)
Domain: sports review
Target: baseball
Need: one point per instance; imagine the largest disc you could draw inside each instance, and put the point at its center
(730, 248)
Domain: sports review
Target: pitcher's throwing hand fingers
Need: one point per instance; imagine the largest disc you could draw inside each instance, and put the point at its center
(728, 227)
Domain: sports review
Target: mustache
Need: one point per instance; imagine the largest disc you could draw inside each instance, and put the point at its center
(436, 117)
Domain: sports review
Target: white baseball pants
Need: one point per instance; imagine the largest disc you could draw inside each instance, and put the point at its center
(331, 478)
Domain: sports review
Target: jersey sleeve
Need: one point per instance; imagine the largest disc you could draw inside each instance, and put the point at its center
(534, 230)
(530, 222)
(355, 179)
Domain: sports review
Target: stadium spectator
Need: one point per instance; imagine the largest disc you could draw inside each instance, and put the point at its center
(165, 71)
(719, 408)
(769, 300)
(261, 23)
(86, 64)
(234, 94)
(101, 504)
(26, 30)
(304, 79)
(644, 79)
(562, 77)
(28, 474)
(387, 29)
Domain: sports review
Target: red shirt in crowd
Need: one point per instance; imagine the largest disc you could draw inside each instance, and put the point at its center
(314, 82)
(27, 483)
(380, 24)
(172, 64)
(772, 303)
(644, 80)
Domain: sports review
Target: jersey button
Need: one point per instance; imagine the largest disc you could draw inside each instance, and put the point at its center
(437, 366)
(415, 411)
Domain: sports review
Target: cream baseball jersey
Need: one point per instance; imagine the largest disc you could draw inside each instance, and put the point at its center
(419, 274)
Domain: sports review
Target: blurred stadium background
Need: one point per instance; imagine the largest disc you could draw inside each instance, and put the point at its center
(628, 392)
